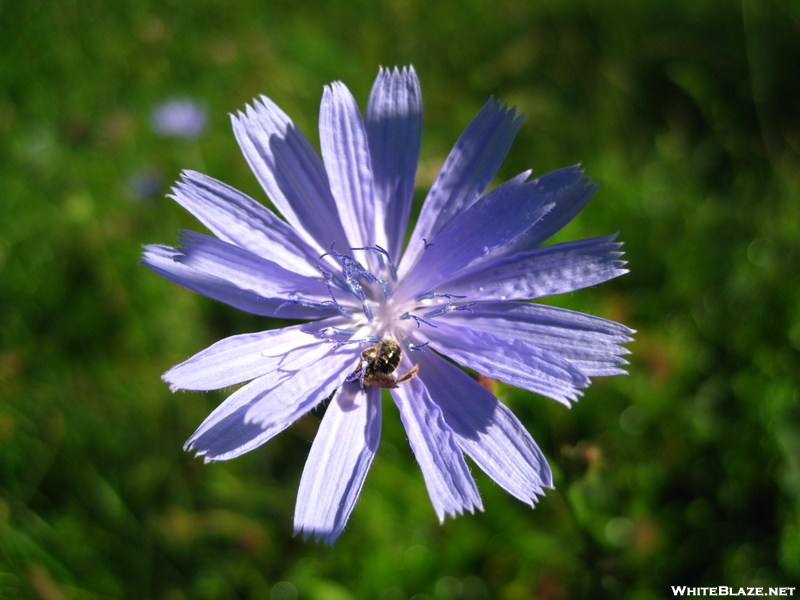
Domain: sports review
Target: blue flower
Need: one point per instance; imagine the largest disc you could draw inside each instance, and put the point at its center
(179, 117)
(379, 322)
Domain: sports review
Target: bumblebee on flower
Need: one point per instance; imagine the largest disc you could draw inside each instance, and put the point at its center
(380, 314)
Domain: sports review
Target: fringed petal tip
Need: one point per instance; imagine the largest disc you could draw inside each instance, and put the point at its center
(221, 450)
(260, 107)
(152, 253)
(396, 71)
(172, 386)
(572, 398)
(166, 377)
(197, 452)
(503, 109)
(533, 499)
(320, 535)
(476, 504)
(546, 485)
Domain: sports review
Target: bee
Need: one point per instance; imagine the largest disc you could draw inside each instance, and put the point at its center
(379, 363)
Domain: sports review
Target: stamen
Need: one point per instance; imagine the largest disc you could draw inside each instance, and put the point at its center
(370, 339)
(450, 307)
(385, 286)
(407, 315)
(430, 295)
(351, 268)
(465, 307)
(342, 257)
(335, 280)
(304, 303)
(328, 278)
(418, 348)
(382, 252)
(367, 311)
(325, 330)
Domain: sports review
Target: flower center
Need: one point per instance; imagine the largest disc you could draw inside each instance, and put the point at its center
(364, 298)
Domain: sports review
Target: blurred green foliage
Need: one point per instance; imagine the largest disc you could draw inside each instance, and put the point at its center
(686, 472)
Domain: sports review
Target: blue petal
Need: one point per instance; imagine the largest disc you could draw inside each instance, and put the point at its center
(394, 130)
(340, 457)
(555, 269)
(304, 386)
(343, 142)
(563, 195)
(231, 437)
(589, 343)
(515, 361)
(246, 270)
(161, 259)
(266, 406)
(290, 172)
(238, 219)
(486, 430)
(469, 169)
(244, 357)
(497, 218)
(450, 484)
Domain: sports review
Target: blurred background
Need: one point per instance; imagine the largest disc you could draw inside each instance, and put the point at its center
(686, 472)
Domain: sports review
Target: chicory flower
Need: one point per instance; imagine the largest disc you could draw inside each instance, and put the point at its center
(179, 117)
(381, 313)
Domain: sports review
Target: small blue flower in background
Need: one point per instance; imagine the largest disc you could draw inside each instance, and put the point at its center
(381, 314)
(179, 117)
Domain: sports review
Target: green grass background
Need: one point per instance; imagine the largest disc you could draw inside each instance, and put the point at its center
(685, 472)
